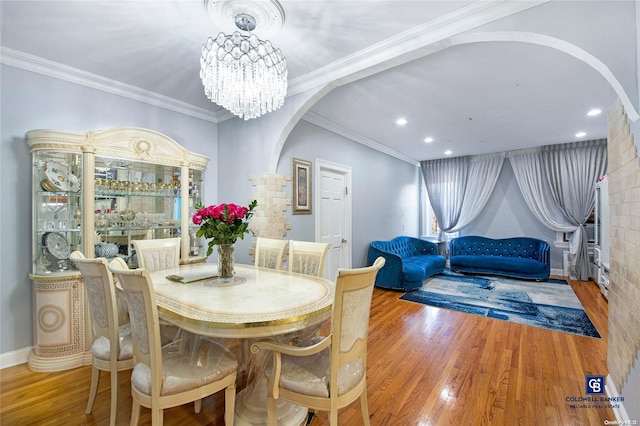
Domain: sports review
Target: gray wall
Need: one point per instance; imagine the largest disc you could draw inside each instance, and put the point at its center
(385, 190)
(32, 101)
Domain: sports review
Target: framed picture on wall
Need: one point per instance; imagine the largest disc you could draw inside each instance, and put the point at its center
(301, 186)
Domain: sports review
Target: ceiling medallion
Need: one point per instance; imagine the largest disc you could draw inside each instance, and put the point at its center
(241, 72)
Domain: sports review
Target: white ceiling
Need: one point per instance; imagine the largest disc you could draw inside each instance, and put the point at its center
(472, 99)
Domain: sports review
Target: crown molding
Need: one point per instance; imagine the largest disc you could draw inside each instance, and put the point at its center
(27, 62)
(392, 50)
(332, 126)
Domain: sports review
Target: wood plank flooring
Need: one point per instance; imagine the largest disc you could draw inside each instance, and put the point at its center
(426, 366)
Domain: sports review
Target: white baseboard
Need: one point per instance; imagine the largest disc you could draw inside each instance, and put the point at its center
(10, 359)
(622, 418)
(558, 272)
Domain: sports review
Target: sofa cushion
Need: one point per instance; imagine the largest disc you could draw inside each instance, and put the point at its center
(412, 271)
(498, 264)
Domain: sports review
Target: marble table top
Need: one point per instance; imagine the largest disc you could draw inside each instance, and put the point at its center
(257, 303)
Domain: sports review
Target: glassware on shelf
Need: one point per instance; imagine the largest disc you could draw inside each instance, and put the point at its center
(102, 221)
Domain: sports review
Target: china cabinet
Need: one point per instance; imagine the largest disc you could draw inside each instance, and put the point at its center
(96, 192)
(601, 256)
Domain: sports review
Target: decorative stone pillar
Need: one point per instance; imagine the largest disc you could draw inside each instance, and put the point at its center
(268, 220)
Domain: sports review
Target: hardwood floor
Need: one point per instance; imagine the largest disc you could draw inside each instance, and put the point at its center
(426, 366)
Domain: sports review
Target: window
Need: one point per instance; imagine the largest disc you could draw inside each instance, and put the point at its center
(428, 223)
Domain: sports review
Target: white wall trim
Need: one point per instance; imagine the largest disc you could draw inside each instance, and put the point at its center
(27, 62)
(437, 30)
(622, 417)
(13, 358)
(464, 19)
(561, 45)
(332, 126)
(559, 272)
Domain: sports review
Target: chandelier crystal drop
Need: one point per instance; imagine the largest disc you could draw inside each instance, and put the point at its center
(243, 74)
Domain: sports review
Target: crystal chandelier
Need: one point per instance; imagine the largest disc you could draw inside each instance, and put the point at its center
(242, 73)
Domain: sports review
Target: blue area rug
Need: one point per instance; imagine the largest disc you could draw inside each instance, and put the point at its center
(550, 304)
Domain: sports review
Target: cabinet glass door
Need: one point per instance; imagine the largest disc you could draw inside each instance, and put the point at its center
(134, 200)
(57, 211)
(196, 245)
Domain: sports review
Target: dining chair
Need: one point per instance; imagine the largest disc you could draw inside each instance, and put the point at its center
(270, 253)
(327, 373)
(164, 377)
(111, 349)
(157, 254)
(307, 257)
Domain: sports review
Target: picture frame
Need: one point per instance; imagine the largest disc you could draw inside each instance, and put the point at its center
(301, 193)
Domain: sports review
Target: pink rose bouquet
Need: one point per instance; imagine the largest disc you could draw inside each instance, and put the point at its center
(223, 223)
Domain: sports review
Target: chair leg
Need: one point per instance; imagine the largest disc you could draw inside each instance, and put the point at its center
(197, 406)
(333, 412)
(156, 416)
(272, 415)
(364, 406)
(333, 418)
(135, 413)
(95, 379)
(114, 396)
(229, 404)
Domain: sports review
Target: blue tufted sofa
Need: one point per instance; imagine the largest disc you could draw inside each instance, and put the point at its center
(520, 257)
(408, 262)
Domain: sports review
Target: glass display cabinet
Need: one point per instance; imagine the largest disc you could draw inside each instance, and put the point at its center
(96, 192)
(602, 239)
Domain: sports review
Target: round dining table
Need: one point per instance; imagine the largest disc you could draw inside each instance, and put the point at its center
(257, 303)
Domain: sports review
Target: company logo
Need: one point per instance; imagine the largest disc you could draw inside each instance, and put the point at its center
(594, 385)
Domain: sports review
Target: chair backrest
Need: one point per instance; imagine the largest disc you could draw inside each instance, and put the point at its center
(101, 295)
(270, 253)
(350, 318)
(306, 257)
(143, 313)
(154, 255)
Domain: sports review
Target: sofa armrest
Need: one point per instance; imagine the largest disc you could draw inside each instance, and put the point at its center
(391, 272)
(544, 252)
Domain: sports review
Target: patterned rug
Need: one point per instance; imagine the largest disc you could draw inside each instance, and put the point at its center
(551, 304)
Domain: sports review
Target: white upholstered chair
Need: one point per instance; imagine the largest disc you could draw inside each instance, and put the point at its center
(164, 377)
(306, 257)
(111, 349)
(270, 253)
(154, 255)
(327, 373)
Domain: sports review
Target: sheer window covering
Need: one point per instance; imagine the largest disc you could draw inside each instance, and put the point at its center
(557, 184)
(460, 187)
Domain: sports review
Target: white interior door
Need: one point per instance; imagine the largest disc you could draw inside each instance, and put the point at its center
(333, 214)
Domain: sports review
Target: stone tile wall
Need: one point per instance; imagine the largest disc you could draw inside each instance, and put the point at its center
(624, 290)
(268, 220)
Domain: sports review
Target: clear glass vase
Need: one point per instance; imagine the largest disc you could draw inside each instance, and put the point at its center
(225, 262)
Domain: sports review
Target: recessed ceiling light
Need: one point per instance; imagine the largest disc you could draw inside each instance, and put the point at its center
(448, 152)
(401, 121)
(580, 134)
(594, 112)
(428, 140)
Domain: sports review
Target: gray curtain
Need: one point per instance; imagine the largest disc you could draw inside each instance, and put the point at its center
(460, 187)
(557, 183)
